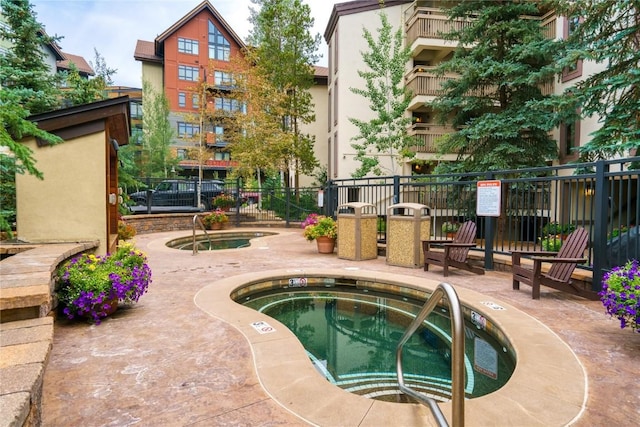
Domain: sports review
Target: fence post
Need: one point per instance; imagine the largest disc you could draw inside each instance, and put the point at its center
(149, 195)
(238, 201)
(602, 206)
(396, 189)
(489, 224)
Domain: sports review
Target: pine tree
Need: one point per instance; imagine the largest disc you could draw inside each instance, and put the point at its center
(386, 134)
(502, 61)
(608, 31)
(23, 68)
(285, 52)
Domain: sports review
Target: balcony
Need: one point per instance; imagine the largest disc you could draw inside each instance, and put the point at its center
(426, 135)
(431, 23)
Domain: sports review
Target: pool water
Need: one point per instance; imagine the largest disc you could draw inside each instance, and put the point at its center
(351, 337)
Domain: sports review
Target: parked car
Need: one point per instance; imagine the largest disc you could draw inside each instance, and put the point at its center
(181, 192)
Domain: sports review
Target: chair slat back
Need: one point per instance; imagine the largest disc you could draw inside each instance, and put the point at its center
(465, 234)
(573, 247)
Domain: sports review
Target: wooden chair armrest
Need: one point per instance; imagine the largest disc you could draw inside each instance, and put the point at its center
(460, 245)
(525, 252)
(439, 241)
(560, 260)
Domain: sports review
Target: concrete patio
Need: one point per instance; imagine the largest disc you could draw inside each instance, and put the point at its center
(166, 362)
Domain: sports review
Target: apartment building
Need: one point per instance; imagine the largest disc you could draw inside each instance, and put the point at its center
(422, 23)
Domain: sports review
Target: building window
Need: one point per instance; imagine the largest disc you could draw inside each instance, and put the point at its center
(219, 47)
(187, 73)
(187, 46)
(231, 105)
(182, 99)
(195, 101)
(218, 155)
(574, 71)
(335, 154)
(181, 153)
(136, 134)
(569, 141)
(222, 78)
(187, 130)
(136, 110)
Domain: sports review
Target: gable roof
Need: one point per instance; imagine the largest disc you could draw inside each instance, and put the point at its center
(154, 51)
(81, 64)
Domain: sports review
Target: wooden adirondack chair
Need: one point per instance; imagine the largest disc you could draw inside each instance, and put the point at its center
(563, 263)
(452, 253)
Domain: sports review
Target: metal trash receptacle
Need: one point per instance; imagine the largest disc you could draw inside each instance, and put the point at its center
(357, 231)
(407, 225)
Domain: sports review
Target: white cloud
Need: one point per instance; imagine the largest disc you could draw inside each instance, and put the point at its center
(114, 26)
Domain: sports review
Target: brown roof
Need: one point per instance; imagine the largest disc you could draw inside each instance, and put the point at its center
(145, 51)
(81, 64)
(320, 71)
(357, 6)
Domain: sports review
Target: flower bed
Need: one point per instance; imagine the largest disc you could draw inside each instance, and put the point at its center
(620, 294)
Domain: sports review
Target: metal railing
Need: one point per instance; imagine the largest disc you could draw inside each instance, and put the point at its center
(197, 220)
(457, 355)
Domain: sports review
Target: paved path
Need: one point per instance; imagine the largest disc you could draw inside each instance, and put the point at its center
(163, 362)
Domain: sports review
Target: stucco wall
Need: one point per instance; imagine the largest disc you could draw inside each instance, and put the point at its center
(69, 204)
(318, 129)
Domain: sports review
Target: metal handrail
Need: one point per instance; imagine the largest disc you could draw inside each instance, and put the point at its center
(457, 355)
(197, 220)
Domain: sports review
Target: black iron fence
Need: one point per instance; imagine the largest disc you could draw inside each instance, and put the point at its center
(537, 206)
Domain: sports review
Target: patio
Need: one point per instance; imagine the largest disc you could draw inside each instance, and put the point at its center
(166, 362)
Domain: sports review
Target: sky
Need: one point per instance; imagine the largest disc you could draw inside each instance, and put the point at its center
(113, 27)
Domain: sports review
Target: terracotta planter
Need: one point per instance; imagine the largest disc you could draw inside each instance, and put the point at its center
(216, 226)
(326, 245)
(112, 306)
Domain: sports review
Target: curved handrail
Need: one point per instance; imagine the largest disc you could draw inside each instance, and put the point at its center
(197, 220)
(457, 355)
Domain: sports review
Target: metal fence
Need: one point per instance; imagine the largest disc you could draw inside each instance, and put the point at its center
(603, 197)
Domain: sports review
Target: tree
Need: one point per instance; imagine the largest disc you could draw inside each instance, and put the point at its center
(23, 68)
(257, 141)
(608, 31)
(80, 90)
(285, 52)
(502, 61)
(26, 88)
(385, 134)
(156, 156)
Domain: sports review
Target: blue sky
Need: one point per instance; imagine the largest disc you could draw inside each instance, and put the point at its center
(114, 26)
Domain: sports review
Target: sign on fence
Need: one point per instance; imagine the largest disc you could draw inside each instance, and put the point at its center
(488, 198)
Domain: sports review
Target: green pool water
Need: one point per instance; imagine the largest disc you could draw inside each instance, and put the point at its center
(351, 338)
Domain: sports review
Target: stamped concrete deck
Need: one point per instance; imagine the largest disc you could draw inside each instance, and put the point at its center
(167, 362)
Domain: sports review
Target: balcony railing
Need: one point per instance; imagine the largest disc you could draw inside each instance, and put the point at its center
(422, 81)
(426, 22)
(426, 135)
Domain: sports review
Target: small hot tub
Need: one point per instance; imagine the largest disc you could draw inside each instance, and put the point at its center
(213, 241)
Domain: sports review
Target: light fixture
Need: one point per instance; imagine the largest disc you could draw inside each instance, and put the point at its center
(588, 192)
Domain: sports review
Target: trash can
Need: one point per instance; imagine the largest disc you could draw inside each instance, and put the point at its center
(407, 225)
(357, 231)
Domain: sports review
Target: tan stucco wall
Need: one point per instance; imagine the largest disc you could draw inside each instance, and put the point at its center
(318, 129)
(153, 73)
(70, 203)
(351, 44)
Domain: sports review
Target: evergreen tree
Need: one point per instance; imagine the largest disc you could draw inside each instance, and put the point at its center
(385, 134)
(80, 90)
(285, 52)
(26, 88)
(502, 61)
(23, 68)
(607, 31)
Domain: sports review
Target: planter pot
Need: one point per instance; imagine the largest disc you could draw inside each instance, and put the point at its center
(216, 226)
(111, 307)
(326, 245)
